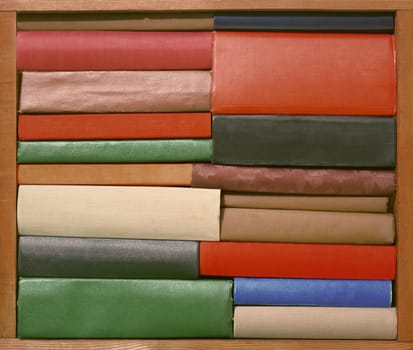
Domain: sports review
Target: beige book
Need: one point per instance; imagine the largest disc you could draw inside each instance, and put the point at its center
(315, 322)
(116, 21)
(168, 213)
(115, 91)
(302, 226)
(324, 203)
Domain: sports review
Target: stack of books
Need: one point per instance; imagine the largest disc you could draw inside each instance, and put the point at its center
(178, 182)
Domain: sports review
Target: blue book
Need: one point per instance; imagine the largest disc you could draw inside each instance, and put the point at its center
(312, 292)
(307, 21)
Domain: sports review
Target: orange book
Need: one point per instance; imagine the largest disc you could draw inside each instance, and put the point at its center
(290, 260)
(105, 174)
(304, 73)
(114, 126)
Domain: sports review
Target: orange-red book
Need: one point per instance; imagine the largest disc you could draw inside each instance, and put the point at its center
(114, 126)
(291, 260)
(303, 73)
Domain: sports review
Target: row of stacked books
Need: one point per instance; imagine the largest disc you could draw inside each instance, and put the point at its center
(178, 182)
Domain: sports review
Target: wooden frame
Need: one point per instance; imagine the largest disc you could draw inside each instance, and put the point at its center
(404, 204)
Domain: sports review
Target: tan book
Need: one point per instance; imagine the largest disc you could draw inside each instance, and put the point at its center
(115, 91)
(323, 203)
(315, 322)
(303, 226)
(168, 213)
(105, 174)
(116, 21)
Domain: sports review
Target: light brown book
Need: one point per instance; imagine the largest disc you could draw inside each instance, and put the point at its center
(115, 91)
(315, 322)
(168, 213)
(304, 226)
(323, 203)
(105, 174)
(116, 21)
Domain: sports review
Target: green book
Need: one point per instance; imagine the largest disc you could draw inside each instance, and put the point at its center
(115, 308)
(125, 151)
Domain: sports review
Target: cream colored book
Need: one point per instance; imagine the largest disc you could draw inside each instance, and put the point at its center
(315, 322)
(305, 226)
(168, 213)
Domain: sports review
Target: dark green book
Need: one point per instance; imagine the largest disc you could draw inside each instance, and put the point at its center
(113, 308)
(304, 140)
(125, 151)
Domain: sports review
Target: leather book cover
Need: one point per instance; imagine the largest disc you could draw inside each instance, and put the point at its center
(290, 322)
(118, 151)
(376, 22)
(169, 213)
(114, 126)
(166, 21)
(291, 260)
(295, 180)
(318, 141)
(306, 226)
(44, 256)
(115, 91)
(112, 50)
(116, 308)
(156, 174)
(312, 292)
(304, 73)
(296, 202)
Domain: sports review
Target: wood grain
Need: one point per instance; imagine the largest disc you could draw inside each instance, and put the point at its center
(7, 174)
(201, 344)
(404, 173)
(200, 5)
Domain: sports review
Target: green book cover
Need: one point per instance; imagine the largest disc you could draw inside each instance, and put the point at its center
(115, 308)
(125, 151)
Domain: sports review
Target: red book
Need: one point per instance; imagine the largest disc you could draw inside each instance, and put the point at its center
(288, 260)
(114, 126)
(304, 73)
(113, 50)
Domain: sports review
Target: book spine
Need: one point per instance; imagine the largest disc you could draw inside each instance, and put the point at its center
(115, 91)
(174, 174)
(306, 21)
(112, 50)
(295, 180)
(320, 203)
(107, 258)
(116, 21)
(114, 126)
(289, 260)
(319, 141)
(304, 226)
(119, 151)
(168, 213)
(107, 308)
(315, 322)
(304, 73)
(312, 292)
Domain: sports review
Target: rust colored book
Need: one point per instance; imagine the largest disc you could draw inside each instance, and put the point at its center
(290, 260)
(295, 180)
(113, 50)
(115, 126)
(304, 73)
(105, 174)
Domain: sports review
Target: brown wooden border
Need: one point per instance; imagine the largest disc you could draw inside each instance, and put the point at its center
(7, 174)
(404, 37)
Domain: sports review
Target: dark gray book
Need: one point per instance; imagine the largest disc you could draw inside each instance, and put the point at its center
(375, 22)
(295, 140)
(107, 258)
